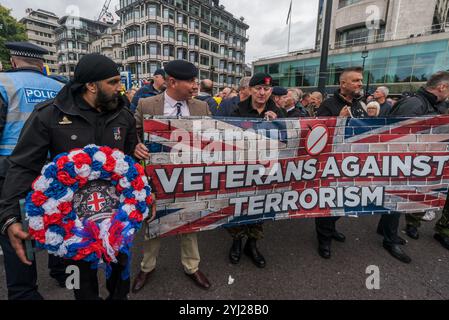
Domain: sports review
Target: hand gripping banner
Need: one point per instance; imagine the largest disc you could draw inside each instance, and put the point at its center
(210, 173)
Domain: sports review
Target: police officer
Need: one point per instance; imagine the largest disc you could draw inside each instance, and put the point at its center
(20, 90)
(88, 110)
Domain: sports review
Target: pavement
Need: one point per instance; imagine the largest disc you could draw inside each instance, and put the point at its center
(294, 270)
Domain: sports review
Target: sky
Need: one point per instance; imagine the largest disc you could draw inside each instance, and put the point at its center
(268, 32)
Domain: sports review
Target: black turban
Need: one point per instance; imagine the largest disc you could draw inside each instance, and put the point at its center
(91, 68)
(95, 67)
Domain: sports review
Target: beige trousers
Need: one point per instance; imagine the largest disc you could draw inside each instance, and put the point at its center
(190, 255)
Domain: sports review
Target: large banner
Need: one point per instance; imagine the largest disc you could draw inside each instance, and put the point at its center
(218, 173)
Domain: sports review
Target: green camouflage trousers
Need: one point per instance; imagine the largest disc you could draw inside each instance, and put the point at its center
(441, 227)
(254, 231)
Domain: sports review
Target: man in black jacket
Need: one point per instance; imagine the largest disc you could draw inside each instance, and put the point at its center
(344, 103)
(258, 105)
(86, 111)
(429, 100)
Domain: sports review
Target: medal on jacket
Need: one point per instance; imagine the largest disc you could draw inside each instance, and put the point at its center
(65, 121)
(117, 134)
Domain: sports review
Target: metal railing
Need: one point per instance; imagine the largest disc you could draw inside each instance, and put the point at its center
(416, 32)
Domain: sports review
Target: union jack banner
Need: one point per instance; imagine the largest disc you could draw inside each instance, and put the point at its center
(209, 173)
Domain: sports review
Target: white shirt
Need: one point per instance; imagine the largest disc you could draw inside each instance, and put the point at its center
(170, 109)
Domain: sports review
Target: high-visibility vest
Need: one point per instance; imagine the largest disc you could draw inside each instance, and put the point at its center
(22, 91)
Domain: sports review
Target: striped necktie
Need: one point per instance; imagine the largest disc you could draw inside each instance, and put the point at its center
(178, 109)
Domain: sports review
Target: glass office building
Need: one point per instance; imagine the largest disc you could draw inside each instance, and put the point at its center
(402, 67)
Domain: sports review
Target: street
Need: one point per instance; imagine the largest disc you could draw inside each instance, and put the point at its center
(294, 270)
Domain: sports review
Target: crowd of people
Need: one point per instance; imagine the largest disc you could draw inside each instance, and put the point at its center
(90, 108)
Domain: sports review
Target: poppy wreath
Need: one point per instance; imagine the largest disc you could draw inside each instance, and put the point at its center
(55, 225)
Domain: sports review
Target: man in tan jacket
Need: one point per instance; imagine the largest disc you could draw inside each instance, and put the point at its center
(176, 101)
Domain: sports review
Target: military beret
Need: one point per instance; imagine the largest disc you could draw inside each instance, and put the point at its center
(159, 72)
(25, 49)
(261, 79)
(181, 70)
(279, 91)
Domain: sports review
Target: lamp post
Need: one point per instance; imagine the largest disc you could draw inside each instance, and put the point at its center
(365, 54)
(325, 48)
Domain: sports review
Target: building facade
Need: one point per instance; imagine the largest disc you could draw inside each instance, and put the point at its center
(110, 45)
(369, 21)
(200, 31)
(402, 48)
(74, 38)
(40, 28)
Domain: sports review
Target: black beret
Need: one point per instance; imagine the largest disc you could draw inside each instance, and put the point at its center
(261, 79)
(26, 49)
(159, 72)
(279, 91)
(181, 70)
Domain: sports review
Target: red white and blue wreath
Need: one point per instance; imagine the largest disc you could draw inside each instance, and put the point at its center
(55, 225)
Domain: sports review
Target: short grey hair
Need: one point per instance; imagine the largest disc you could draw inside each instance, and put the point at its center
(299, 92)
(437, 79)
(295, 94)
(384, 90)
(244, 83)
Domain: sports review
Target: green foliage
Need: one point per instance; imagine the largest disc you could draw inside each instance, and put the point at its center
(10, 30)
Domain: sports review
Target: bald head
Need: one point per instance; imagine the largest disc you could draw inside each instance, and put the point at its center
(207, 86)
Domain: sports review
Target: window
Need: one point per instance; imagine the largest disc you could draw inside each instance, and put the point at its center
(182, 36)
(153, 10)
(205, 13)
(345, 3)
(182, 19)
(194, 24)
(193, 40)
(169, 32)
(215, 48)
(193, 57)
(205, 44)
(215, 33)
(273, 68)
(194, 9)
(205, 28)
(353, 36)
(182, 4)
(204, 60)
(152, 66)
(181, 54)
(168, 13)
(169, 50)
(153, 29)
(223, 51)
(154, 48)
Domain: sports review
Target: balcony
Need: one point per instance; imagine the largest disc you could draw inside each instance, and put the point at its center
(183, 44)
(194, 47)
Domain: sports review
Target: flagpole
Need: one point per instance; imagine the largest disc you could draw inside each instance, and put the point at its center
(289, 32)
(289, 26)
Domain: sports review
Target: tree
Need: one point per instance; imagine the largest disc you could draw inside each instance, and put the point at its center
(10, 30)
